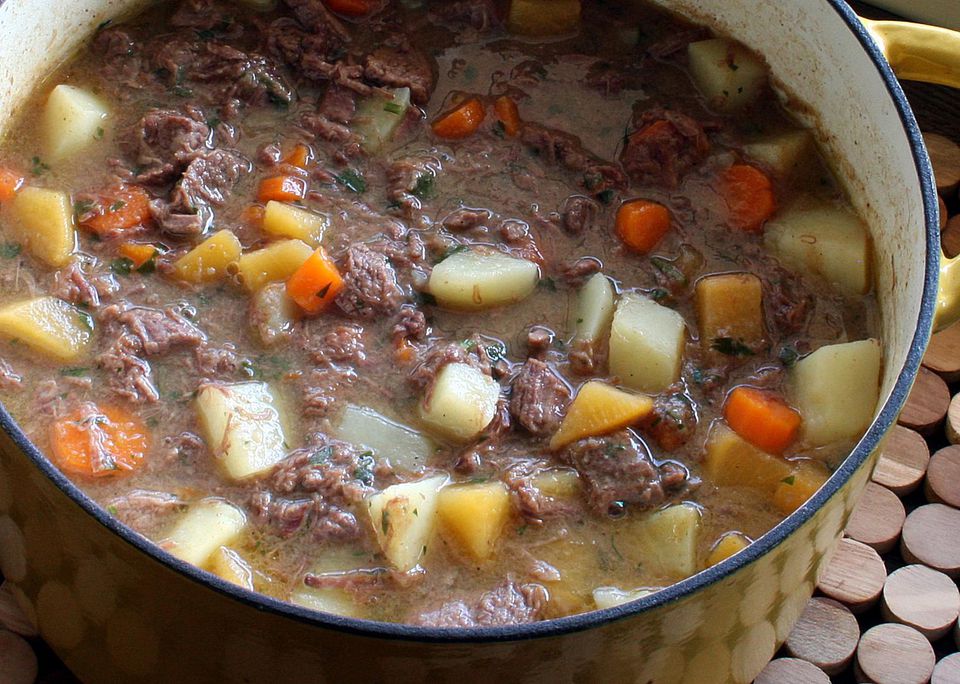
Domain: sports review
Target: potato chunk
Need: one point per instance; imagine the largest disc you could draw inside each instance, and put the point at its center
(72, 119)
(597, 409)
(229, 565)
(48, 325)
(543, 17)
(241, 426)
(474, 280)
(825, 240)
(205, 527)
(274, 262)
(836, 390)
(729, 544)
(43, 220)
(728, 75)
(730, 305)
(782, 152)
(646, 344)
(378, 117)
(462, 402)
(794, 490)
(730, 460)
(403, 446)
(608, 597)
(474, 516)
(208, 261)
(273, 314)
(403, 518)
(286, 220)
(666, 541)
(594, 310)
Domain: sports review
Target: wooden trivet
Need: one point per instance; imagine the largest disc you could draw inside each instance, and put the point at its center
(943, 477)
(854, 577)
(927, 405)
(826, 636)
(894, 654)
(903, 461)
(931, 535)
(922, 598)
(878, 518)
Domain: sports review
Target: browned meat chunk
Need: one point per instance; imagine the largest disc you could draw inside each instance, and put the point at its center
(72, 284)
(338, 104)
(673, 420)
(663, 146)
(406, 177)
(565, 150)
(370, 286)
(167, 141)
(579, 214)
(401, 68)
(342, 344)
(145, 511)
(539, 398)
(508, 604)
(787, 300)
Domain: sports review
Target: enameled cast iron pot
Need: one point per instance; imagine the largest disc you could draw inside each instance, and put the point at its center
(117, 609)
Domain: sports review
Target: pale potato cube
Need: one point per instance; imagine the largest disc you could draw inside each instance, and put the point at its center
(729, 544)
(461, 403)
(594, 310)
(543, 17)
(286, 220)
(48, 325)
(731, 461)
(730, 305)
(242, 427)
(598, 409)
(609, 597)
(403, 517)
(558, 483)
(826, 240)
(782, 152)
(274, 262)
(474, 516)
(836, 390)
(403, 446)
(208, 261)
(646, 344)
(206, 526)
(326, 600)
(273, 313)
(728, 75)
(230, 565)
(474, 280)
(43, 220)
(72, 119)
(667, 540)
(378, 116)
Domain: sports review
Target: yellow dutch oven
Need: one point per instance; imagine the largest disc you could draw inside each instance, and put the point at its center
(118, 609)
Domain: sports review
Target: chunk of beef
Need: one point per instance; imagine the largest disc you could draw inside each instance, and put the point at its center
(119, 56)
(128, 375)
(370, 287)
(533, 505)
(578, 214)
(402, 67)
(663, 146)
(340, 345)
(539, 399)
(338, 104)
(9, 378)
(465, 218)
(508, 604)
(405, 177)
(197, 14)
(327, 522)
(145, 511)
(166, 141)
(788, 301)
(316, 18)
(411, 325)
(321, 127)
(72, 284)
(213, 362)
(478, 14)
(576, 273)
(539, 341)
(673, 420)
(565, 150)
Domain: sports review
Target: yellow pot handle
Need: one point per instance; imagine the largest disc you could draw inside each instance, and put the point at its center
(931, 54)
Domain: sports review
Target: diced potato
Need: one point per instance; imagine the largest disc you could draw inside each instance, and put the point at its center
(474, 515)
(794, 491)
(206, 526)
(729, 544)
(666, 541)
(73, 118)
(43, 220)
(558, 483)
(48, 325)
(728, 75)
(730, 305)
(730, 460)
(326, 600)
(208, 261)
(377, 118)
(474, 280)
(403, 446)
(597, 409)
(273, 313)
(462, 402)
(286, 220)
(543, 17)
(274, 262)
(646, 344)
(836, 389)
(333, 562)
(782, 152)
(825, 240)
(594, 310)
(242, 427)
(609, 597)
(229, 565)
(403, 517)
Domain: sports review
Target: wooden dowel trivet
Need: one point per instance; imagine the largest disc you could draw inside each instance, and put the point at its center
(877, 519)
(11, 614)
(922, 598)
(952, 427)
(943, 213)
(826, 635)
(791, 671)
(894, 654)
(903, 461)
(943, 354)
(18, 662)
(950, 236)
(945, 159)
(947, 670)
(943, 477)
(927, 404)
(931, 535)
(854, 576)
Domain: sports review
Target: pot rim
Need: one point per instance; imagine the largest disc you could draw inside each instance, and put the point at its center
(597, 618)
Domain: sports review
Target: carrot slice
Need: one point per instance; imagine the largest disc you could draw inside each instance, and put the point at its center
(117, 211)
(137, 252)
(282, 189)
(252, 215)
(462, 121)
(761, 418)
(316, 283)
(10, 182)
(641, 224)
(748, 193)
(350, 8)
(508, 114)
(98, 441)
(299, 157)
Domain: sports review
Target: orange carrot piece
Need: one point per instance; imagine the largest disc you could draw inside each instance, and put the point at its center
(300, 156)
(137, 252)
(508, 114)
(350, 8)
(761, 418)
(122, 210)
(462, 121)
(10, 182)
(641, 224)
(252, 215)
(405, 353)
(748, 192)
(282, 189)
(99, 441)
(316, 283)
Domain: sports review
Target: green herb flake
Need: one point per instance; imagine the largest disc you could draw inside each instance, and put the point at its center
(122, 266)
(731, 347)
(86, 320)
(424, 187)
(455, 249)
(384, 521)
(521, 530)
(321, 455)
(98, 134)
(364, 470)
(789, 480)
(118, 205)
(393, 108)
(548, 284)
(499, 129)
(659, 294)
(788, 356)
(352, 181)
(112, 510)
(38, 166)
(81, 207)
(669, 269)
(496, 352)
(74, 372)
(10, 250)
(606, 196)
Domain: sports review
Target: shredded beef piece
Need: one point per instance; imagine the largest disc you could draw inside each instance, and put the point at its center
(478, 14)
(212, 362)
(411, 325)
(566, 150)
(370, 286)
(128, 375)
(532, 504)
(119, 53)
(73, 285)
(788, 301)
(167, 141)
(673, 420)
(403, 178)
(184, 446)
(321, 127)
(338, 104)
(508, 604)
(577, 272)
(342, 344)
(9, 379)
(539, 341)
(663, 146)
(539, 398)
(49, 401)
(464, 219)
(314, 16)
(144, 511)
(405, 67)
(270, 154)
(578, 214)
(326, 521)
(321, 386)
(197, 14)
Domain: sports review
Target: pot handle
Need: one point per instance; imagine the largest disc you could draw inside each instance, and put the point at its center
(931, 54)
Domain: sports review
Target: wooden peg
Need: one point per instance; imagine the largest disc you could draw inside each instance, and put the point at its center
(943, 477)
(947, 671)
(950, 236)
(945, 159)
(927, 404)
(943, 356)
(18, 662)
(952, 426)
(931, 535)
(826, 635)
(922, 598)
(903, 461)
(943, 213)
(877, 519)
(12, 616)
(894, 654)
(791, 671)
(854, 576)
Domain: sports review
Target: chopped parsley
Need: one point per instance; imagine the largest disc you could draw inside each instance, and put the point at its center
(321, 455)
(81, 207)
(423, 188)
(98, 134)
(788, 356)
(384, 521)
(118, 205)
(122, 266)
(393, 108)
(548, 284)
(74, 372)
(322, 292)
(86, 320)
(669, 269)
(496, 352)
(10, 250)
(364, 470)
(606, 196)
(789, 480)
(39, 167)
(731, 347)
(499, 129)
(352, 181)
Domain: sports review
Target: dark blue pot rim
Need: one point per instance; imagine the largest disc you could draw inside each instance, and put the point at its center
(687, 587)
